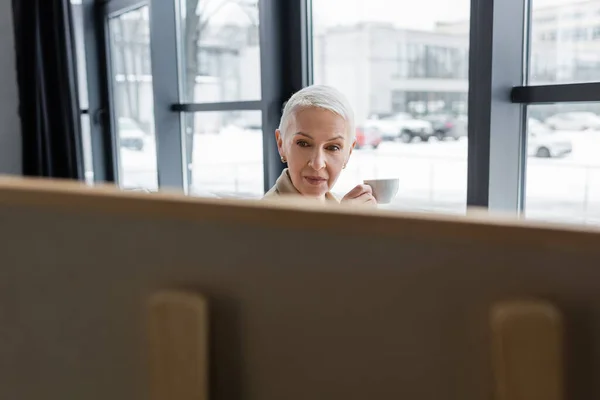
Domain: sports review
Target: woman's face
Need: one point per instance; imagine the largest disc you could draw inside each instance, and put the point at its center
(316, 148)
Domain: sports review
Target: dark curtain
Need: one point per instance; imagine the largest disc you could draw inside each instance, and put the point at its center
(47, 79)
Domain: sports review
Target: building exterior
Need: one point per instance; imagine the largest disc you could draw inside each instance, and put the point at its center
(566, 43)
(384, 70)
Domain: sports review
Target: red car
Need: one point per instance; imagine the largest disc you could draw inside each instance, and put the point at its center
(367, 137)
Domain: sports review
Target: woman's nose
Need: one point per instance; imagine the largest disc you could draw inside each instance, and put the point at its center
(317, 160)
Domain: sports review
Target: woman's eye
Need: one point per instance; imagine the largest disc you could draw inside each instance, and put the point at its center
(302, 143)
(334, 148)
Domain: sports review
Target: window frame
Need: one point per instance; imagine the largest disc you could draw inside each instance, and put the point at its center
(525, 95)
(498, 59)
(285, 69)
(104, 160)
(498, 95)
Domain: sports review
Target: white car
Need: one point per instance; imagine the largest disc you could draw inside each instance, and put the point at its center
(574, 121)
(401, 126)
(130, 134)
(544, 143)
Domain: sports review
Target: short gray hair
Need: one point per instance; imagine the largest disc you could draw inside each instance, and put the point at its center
(318, 96)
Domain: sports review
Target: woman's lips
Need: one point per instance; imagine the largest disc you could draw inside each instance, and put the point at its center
(315, 180)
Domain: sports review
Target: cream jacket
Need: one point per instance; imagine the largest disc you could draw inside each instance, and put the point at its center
(284, 187)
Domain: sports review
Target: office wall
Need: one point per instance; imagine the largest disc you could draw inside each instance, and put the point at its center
(10, 130)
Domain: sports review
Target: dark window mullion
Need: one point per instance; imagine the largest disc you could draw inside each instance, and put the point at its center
(496, 160)
(565, 93)
(223, 106)
(94, 24)
(285, 69)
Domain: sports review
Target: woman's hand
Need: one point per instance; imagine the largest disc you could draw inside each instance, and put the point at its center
(361, 194)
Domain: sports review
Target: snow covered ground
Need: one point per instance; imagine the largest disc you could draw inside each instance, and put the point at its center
(433, 176)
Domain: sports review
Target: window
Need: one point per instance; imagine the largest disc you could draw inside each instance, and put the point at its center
(133, 99)
(575, 15)
(403, 61)
(404, 68)
(563, 168)
(572, 44)
(228, 154)
(86, 140)
(575, 34)
(545, 19)
(547, 36)
(563, 123)
(417, 60)
(220, 65)
(220, 53)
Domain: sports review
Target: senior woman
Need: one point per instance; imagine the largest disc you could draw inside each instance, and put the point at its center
(315, 139)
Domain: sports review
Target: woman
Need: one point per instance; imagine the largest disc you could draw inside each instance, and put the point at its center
(315, 139)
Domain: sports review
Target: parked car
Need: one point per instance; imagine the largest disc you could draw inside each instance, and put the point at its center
(367, 137)
(545, 143)
(130, 134)
(574, 121)
(402, 126)
(448, 126)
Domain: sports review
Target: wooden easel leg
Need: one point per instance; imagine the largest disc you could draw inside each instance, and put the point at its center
(527, 351)
(178, 338)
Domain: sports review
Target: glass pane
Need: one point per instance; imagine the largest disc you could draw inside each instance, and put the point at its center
(227, 154)
(563, 168)
(404, 67)
(83, 90)
(219, 50)
(86, 144)
(133, 99)
(80, 52)
(565, 37)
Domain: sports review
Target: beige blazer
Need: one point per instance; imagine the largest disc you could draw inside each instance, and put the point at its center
(284, 187)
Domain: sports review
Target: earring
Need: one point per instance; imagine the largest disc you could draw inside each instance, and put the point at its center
(344, 167)
(283, 160)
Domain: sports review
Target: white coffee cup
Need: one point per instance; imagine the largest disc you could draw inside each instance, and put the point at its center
(384, 190)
